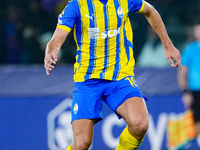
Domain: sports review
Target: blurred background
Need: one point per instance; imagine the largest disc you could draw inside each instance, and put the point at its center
(35, 108)
(27, 25)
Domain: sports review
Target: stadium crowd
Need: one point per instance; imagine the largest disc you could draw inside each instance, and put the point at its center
(27, 25)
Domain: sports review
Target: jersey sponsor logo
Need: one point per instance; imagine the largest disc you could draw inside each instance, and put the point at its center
(120, 12)
(91, 17)
(94, 33)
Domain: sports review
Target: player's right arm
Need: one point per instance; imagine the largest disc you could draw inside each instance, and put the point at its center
(66, 22)
(53, 48)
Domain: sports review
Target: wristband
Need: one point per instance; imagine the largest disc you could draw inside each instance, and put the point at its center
(186, 91)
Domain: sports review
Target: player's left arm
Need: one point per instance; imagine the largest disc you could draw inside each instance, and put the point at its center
(158, 26)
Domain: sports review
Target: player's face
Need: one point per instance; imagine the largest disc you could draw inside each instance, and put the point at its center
(197, 32)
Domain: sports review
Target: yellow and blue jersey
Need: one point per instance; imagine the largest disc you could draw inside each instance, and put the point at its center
(103, 36)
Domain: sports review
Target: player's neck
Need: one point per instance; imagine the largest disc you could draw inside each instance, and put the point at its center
(103, 1)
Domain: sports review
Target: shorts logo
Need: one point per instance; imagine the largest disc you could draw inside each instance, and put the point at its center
(120, 12)
(75, 109)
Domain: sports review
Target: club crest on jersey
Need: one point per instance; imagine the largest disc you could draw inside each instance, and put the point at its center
(75, 109)
(120, 12)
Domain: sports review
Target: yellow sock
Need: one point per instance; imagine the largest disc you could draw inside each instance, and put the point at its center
(69, 148)
(127, 141)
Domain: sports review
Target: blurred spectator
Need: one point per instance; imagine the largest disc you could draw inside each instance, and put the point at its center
(2, 43)
(152, 53)
(2, 31)
(13, 29)
(2, 49)
(36, 22)
(60, 6)
(50, 4)
(189, 76)
(37, 17)
(44, 39)
(32, 54)
(23, 16)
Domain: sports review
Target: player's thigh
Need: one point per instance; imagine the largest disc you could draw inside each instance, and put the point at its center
(134, 111)
(83, 130)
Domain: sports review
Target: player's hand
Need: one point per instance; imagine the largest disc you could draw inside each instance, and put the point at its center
(174, 54)
(187, 100)
(49, 62)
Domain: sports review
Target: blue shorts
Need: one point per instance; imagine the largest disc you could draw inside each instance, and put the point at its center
(88, 96)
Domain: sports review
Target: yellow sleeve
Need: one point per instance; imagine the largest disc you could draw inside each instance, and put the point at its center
(142, 7)
(64, 28)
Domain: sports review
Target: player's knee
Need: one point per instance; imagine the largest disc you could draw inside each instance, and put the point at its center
(82, 144)
(138, 127)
